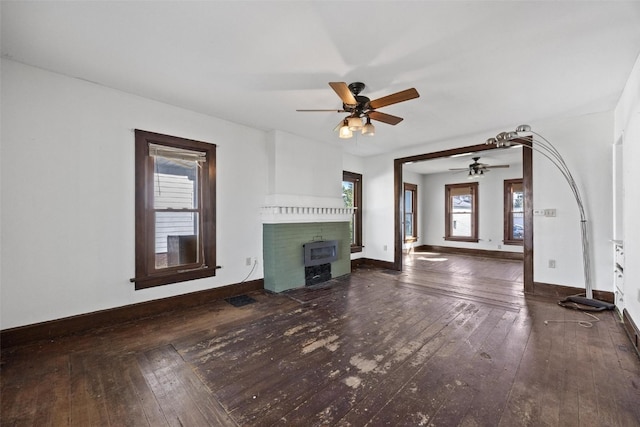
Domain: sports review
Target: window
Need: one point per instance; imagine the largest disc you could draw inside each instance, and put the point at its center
(175, 209)
(461, 212)
(352, 196)
(513, 212)
(410, 212)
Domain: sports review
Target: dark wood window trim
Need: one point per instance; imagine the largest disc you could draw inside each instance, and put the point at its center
(356, 179)
(473, 189)
(413, 188)
(508, 214)
(146, 274)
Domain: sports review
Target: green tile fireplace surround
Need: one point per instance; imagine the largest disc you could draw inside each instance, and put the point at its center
(283, 253)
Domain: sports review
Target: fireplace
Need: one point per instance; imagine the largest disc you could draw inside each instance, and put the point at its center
(285, 264)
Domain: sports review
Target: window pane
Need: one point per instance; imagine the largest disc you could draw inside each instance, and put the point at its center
(352, 228)
(347, 193)
(176, 239)
(461, 203)
(347, 197)
(408, 225)
(517, 232)
(408, 201)
(175, 184)
(461, 224)
(517, 198)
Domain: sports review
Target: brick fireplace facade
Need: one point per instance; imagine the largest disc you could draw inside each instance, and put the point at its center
(287, 229)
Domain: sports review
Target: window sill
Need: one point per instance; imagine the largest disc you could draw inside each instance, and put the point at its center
(356, 248)
(167, 279)
(513, 242)
(462, 239)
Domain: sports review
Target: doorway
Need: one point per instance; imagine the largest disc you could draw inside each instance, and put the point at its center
(527, 182)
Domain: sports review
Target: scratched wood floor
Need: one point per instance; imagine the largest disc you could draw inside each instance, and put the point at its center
(450, 341)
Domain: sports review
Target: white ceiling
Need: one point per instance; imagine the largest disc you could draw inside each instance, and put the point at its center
(478, 65)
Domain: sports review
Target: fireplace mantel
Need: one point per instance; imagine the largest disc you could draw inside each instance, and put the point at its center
(282, 209)
(295, 214)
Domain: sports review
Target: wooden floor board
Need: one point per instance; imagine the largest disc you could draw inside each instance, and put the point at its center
(451, 340)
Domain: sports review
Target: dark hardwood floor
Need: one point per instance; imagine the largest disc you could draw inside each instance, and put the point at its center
(450, 341)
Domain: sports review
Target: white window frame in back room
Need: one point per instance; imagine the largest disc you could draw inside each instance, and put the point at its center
(193, 251)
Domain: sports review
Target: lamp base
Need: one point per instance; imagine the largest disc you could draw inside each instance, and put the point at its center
(589, 304)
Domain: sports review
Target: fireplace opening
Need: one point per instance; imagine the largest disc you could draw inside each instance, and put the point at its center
(318, 257)
(317, 274)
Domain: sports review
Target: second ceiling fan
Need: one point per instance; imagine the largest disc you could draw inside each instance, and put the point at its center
(362, 108)
(477, 169)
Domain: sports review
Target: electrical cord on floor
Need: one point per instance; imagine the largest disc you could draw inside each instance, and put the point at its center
(583, 323)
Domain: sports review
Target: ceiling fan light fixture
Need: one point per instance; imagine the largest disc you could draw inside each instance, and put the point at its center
(345, 132)
(360, 107)
(355, 123)
(369, 129)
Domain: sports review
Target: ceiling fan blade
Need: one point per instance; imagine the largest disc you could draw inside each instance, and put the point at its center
(496, 166)
(343, 92)
(385, 118)
(459, 169)
(315, 111)
(394, 98)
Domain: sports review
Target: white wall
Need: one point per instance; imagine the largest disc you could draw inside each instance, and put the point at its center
(584, 142)
(303, 172)
(627, 128)
(490, 213)
(67, 175)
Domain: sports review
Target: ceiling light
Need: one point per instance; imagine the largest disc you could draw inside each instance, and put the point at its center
(355, 123)
(345, 132)
(369, 129)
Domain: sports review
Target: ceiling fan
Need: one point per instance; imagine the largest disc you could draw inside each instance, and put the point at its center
(360, 107)
(477, 169)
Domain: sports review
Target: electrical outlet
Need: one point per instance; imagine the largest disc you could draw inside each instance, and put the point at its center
(248, 261)
(499, 246)
(552, 263)
(384, 248)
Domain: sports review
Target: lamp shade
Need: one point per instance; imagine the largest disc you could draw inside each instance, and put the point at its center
(344, 131)
(355, 123)
(369, 129)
